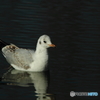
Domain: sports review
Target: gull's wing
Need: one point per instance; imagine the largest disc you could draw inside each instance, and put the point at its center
(18, 56)
(3, 44)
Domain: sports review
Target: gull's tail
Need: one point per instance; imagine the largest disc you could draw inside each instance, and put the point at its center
(2, 44)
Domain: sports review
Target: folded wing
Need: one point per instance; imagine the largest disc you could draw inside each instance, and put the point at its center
(18, 56)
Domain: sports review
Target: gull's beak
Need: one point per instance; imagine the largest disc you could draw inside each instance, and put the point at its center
(51, 45)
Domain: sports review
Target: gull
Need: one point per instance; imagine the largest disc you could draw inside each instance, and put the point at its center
(27, 59)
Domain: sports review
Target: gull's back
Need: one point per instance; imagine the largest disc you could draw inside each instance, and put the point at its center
(18, 56)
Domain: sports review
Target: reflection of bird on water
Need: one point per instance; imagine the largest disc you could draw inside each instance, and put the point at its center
(15, 77)
(25, 79)
(26, 59)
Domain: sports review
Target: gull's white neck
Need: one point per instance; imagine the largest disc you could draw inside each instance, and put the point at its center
(41, 59)
(40, 49)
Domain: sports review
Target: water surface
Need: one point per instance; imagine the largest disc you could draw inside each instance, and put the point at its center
(74, 63)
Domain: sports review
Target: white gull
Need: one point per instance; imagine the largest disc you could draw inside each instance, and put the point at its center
(27, 59)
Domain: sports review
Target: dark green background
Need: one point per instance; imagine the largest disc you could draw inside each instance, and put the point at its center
(74, 27)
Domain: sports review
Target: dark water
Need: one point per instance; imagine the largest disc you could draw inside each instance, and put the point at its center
(74, 27)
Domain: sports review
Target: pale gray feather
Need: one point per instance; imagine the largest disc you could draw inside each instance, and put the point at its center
(18, 56)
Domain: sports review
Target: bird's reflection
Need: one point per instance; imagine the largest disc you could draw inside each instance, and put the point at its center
(25, 79)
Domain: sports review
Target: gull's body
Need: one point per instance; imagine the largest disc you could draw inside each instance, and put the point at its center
(26, 59)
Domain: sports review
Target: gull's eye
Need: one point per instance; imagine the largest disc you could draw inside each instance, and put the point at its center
(44, 41)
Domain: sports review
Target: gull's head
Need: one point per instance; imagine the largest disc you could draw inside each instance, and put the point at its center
(45, 41)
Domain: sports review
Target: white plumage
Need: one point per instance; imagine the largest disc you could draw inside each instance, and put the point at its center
(26, 59)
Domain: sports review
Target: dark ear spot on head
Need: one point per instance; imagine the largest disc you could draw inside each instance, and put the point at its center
(39, 42)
